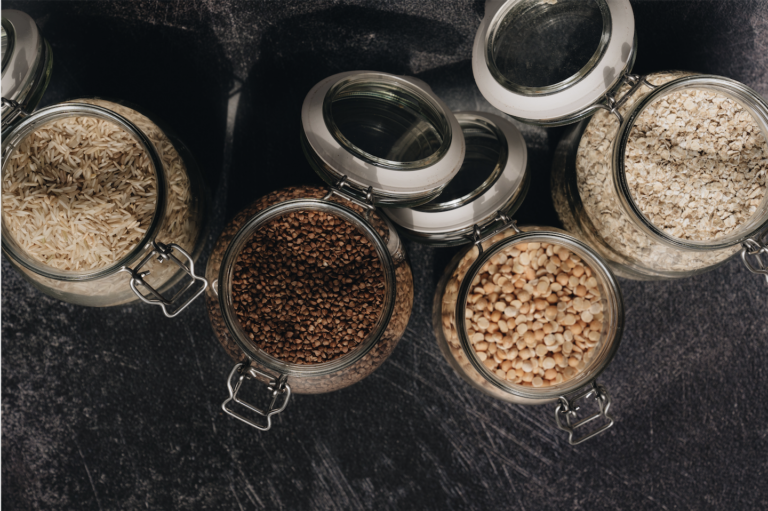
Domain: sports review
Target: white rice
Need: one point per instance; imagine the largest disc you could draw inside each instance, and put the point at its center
(79, 193)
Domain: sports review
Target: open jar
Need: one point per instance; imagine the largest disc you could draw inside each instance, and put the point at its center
(585, 72)
(376, 139)
(516, 335)
(96, 197)
(491, 184)
(594, 198)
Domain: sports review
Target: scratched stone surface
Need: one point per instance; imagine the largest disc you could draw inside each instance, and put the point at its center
(120, 408)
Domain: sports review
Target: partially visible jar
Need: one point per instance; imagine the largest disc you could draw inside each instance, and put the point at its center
(554, 63)
(594, 201)
(450, 325)
(174, 235)
(27, 63)
(283, 378)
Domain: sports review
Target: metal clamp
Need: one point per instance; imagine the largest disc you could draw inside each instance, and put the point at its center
(276, 387)
(612, 105)
(338, 189)
(16, 111)
(506, 223)
(565, 413)
(759, 252)
(164, 253)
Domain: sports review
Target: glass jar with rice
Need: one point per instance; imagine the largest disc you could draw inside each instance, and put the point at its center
(100, 205)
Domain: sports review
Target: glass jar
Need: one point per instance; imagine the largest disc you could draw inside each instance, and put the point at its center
(174, 234)
(554, 63)
(551, 63)
(284, 378)
(451, 329)
(27, 64)
(376, 139)
(491, 184)
(593, 198)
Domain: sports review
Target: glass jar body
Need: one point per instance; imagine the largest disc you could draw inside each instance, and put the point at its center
(452, 294)
(181, 219)
(310, 378)
(593, 205)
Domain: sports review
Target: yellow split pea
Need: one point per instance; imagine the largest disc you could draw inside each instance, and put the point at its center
(534, 314)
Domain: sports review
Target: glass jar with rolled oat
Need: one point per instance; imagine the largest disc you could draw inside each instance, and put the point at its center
(532, 316)
(100, 204)
(672, 182)
(667, 179)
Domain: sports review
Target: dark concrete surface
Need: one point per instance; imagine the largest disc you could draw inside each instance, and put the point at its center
(119, 408)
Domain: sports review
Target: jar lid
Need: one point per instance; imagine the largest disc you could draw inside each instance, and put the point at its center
(26, 62)
(549, 62)
(393, 139)
(493, 179)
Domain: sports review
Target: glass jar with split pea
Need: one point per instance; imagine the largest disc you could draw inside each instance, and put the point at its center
(532, 316)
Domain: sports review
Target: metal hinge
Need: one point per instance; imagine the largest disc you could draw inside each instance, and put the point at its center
(165, 253)
(566, 417)
(276, 386)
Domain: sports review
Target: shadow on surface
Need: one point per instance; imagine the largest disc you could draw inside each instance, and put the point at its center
(267, 154)
(180, 75)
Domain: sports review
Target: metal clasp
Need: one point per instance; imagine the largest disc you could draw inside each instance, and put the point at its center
(338, 189)
(612, 105)
(16, 111)
(759, 252)
(506, 223)
(276, 387)
(566, 417)
(164, 253)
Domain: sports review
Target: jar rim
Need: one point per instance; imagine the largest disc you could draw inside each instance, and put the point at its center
(225, 287)
(572, 99)
(453, 223)
(608, 345)
(18, 133)
(737, 91)
(434, 111)
(504, 14)
(398, 184)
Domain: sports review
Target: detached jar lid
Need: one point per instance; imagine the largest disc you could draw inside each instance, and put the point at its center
(27, 62)
(393, 139)
(549, 62)
(493, 179)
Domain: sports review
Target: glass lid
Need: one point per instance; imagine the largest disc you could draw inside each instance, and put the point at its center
(549, 61)
(26, 61)
(393, 139)
(493, 179)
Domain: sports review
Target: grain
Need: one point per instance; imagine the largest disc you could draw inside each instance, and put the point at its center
(308, 287)
(696, 164)
(79, 193)
(551, 343)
